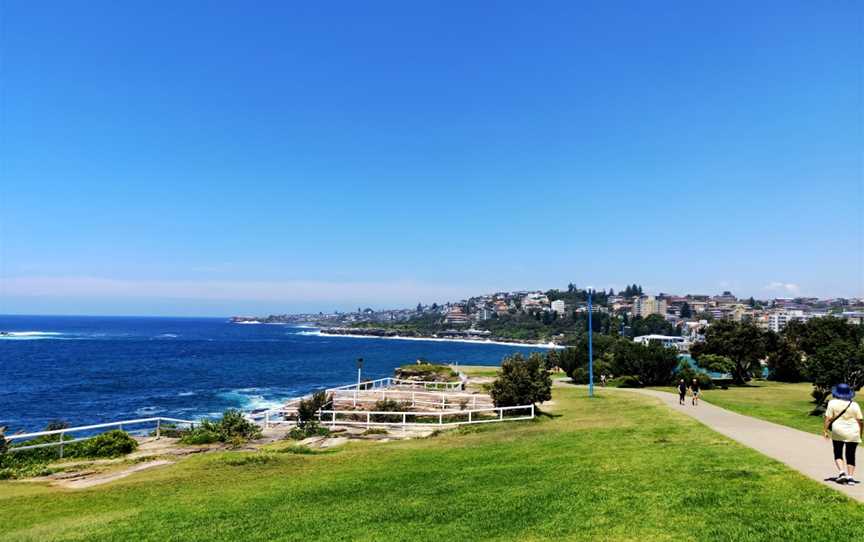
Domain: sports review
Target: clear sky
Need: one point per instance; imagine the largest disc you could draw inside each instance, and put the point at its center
(218, 158)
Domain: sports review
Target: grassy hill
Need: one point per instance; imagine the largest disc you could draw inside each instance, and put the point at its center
(619, 467)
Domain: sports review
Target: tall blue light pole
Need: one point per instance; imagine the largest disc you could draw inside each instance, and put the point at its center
(590, 351)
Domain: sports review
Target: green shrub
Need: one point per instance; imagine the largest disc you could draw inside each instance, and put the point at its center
(232, 428)
(234, 424)
(388, 405)
(629, 381)
(307, 410)
(241, 459)
(4, 444)
(111, 444)
(705, 382)
(309, 430)
(200, 435)
(297, 449)
(522, 382)
(375, 431)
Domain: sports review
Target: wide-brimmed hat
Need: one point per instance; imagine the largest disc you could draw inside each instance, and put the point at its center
(843, 391)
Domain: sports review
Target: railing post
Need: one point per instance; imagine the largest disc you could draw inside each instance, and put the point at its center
(333, 421)
(267, 420)
(404, 418)
(500, 413)
(532, 411)
(440, 418)
(158, 427)
(61, 445)
(368, 419)
(469, 416)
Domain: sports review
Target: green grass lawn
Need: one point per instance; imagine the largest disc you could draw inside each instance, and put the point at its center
(618, 467)
(785, 404)
(480, 370)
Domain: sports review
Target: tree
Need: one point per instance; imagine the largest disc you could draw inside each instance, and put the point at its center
(686, 311)
(521, 382)
(741, 342)
(419, 307)
(785, 363)
(715, 363)
(653, 364)
(308, 409)
(653, 324)
(837, 362)
(751, 302)
(815, 333)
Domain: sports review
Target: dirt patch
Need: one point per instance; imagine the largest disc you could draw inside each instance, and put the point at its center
(85, 479)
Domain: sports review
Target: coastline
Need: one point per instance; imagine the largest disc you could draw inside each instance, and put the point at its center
(549, 346)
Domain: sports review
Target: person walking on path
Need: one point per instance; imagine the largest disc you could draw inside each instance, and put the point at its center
(694, 389)
(682, 391)
(843, 423)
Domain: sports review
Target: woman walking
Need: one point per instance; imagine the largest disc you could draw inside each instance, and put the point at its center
(843, 423)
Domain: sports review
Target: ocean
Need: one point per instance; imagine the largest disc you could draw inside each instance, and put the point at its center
(85, 370)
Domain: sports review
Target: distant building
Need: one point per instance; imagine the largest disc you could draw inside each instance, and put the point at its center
(456, 316)
(534, 301)
(777, 321)
(647, 305)
(669, 341)
(560, 307)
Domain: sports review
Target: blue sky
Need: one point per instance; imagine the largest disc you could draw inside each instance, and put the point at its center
(217, 158)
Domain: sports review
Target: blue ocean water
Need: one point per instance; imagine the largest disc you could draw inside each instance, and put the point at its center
(97, 369)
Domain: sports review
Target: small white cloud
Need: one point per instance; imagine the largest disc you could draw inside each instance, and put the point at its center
(785, 287)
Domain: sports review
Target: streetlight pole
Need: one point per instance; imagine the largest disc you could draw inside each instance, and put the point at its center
(357, 389)
(590, 351)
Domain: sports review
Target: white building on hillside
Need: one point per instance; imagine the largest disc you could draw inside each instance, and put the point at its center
(560, 307)
(669, 341)
(647, 305)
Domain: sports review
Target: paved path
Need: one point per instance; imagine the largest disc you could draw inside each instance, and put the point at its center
(809, 454)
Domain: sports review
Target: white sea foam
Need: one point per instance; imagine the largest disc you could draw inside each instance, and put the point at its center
(186, 394)
(30, 335)
(435, 339)
(167, 336)
(149, 410)
(252, 399)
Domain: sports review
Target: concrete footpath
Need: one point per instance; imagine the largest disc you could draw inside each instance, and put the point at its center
(809, 454)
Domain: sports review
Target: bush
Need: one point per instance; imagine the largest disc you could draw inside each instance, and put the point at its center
(522, 382)
(705, 382)
(4, 444)
(308, 409)
(200, 435)
(234, 424)
(388, 405)
(232, 428)
(243, 459)
(653, 365)
(309, 430)
(785, 364)
(111, 444)
(629, 381)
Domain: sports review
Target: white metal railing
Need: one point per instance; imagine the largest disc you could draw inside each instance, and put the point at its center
(471, 416)
(416, 397)
(64, 431)
(390, 382)
(331, 417)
